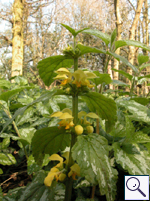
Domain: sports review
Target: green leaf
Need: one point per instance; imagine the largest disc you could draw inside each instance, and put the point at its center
(142, 59)
(71, 30)
(135, 164)
(7, 159)
(20, 111)
(21, 80)
(125, 61)
(105, 107)
(27, 134)
(119, 83)
(13, 194)
(145, 76)
(49, 141)
(86, 49)
(4, 83)
(49, 65)
(8, 94)
(144, 66)
(25, 100)
(101, 78)
(119, 130)
(141, 100)
(1, 193)
(84, 183)
(26, 117)
(141, 80)
(113, 36)
(140, 137)
(37, 191)
(138, 111)
(105, 37)
(121, 43)
(54, 106)
(91, 154)
(123, 73)
(5, 143)
(33, 167)
(1, 172)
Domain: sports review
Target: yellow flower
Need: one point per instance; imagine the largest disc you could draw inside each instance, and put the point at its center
(55, 171)
(85, 115)
(51, 175)
(56, 157)
(81, 78)
(66, 123)
(66, 118)
(64, 75)
(75, 170)
(61, 177)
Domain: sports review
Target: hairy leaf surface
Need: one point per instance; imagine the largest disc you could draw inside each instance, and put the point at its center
(91, 153)
(134, 163)
(105, 107)
(49, 65)
(49, 141)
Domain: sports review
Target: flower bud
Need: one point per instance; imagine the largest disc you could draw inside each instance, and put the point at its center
(78, 129)
(89, 129)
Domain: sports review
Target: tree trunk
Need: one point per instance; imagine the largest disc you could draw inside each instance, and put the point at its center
(17, 42)
(132, 34)
(118, 29)
(110, 73)
(146, 38)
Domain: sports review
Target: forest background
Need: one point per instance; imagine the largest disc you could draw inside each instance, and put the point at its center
(31, 31)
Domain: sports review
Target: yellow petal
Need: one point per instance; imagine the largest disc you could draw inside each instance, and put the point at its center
(48, 180)
(79, 74)
(61, 77)
(56, 114)
(64, 70)
(64, 82)
(67, 110)
(61, 177)
(71, 124)
(66, 155)
(75, 168)
(90, 74)
(56, 157)
(70, 173)
(81, 114)
(66, 115)
(54, 169)
(62, 123)
(92, 115)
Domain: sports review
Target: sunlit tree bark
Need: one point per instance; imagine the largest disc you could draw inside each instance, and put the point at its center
(118, 29)
(17, 42)
(132, 34)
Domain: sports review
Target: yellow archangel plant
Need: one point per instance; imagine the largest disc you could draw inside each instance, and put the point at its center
(66, 118)
(79, 77)
(58, 172)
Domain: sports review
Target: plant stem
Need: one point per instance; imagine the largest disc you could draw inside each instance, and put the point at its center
(69, 181)
(132, 87)
(16, 129)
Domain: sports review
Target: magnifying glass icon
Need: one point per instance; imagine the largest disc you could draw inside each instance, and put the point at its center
(133, 184)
